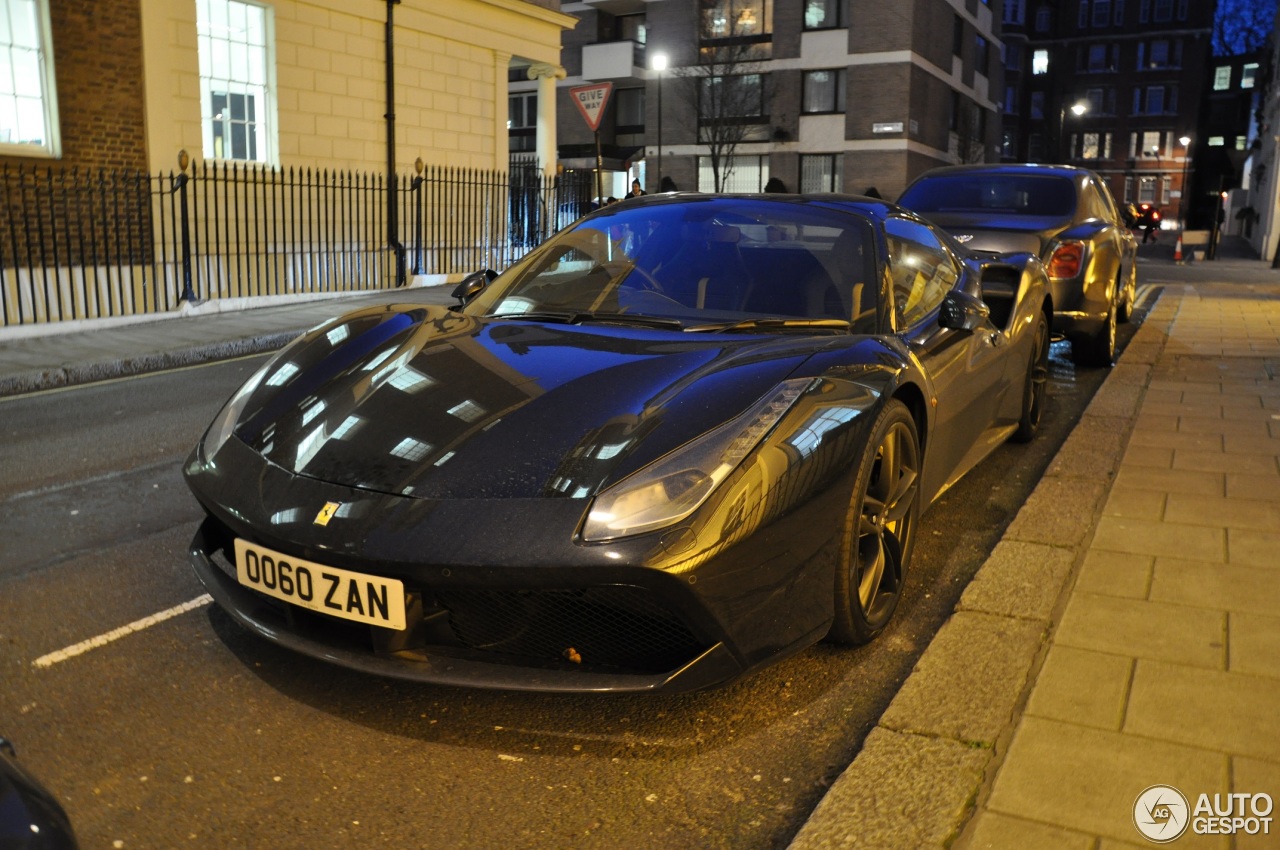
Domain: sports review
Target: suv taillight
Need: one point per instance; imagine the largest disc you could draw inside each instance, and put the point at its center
(1066, 260)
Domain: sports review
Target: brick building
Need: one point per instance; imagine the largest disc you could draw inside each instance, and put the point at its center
(1110, 85)
(844, 94)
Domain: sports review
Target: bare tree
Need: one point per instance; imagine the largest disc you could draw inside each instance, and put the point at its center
(726, 89)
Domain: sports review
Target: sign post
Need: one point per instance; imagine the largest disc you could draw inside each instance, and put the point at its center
(591, 101)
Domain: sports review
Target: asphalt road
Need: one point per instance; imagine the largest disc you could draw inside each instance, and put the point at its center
(162, 724)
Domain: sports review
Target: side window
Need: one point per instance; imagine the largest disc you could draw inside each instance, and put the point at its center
(923, 270)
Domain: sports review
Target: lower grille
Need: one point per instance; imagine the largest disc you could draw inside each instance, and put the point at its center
(614, 626)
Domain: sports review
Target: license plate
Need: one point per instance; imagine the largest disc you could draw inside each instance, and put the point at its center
(339, 593)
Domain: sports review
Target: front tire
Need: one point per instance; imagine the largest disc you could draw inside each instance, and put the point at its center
(879, 529)
(1035, 390)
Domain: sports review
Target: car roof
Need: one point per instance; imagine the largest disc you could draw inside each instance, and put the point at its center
(874, 208)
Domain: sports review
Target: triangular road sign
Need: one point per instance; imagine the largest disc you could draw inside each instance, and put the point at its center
(591, 101)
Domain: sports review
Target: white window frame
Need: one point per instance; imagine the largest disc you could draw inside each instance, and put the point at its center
(259, 85)
(19, 88)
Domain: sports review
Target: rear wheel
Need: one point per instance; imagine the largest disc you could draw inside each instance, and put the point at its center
(879, 529)
(1128, 295)
(1036, 388)
(1099, 349)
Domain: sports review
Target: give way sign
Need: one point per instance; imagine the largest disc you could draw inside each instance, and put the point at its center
(591, 101)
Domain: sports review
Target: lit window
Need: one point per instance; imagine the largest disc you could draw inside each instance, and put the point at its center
(28, 100)
(1040, 62)
(824, 91)
(467, 411)
(1249, 75)
(411, 449)
(1222, 78)
(822, 14)
(235, 92)
(1217, 141)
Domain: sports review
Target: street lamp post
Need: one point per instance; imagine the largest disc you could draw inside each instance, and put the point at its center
(659, 64)
(1182, 198)
(1077, 109)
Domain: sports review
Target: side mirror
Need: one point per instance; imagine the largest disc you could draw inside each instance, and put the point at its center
(472, 284)
(960, 311)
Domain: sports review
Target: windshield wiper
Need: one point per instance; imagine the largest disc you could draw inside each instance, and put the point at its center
(772, 324)
(579, 317)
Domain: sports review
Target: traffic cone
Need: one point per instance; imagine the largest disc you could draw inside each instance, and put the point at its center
(1177, 250)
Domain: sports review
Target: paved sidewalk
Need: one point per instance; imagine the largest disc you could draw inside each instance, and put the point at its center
(1126, 631)
(71, 353)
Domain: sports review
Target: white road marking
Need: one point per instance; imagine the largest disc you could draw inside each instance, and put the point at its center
(124, 631)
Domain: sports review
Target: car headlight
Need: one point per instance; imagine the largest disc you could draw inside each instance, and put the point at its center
(672, 487)
(224, 423)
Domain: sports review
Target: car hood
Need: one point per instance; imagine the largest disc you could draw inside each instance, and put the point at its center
(429, 403)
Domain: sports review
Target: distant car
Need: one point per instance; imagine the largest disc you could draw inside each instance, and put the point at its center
(686, 436)
(1065, 215)
(30, 817)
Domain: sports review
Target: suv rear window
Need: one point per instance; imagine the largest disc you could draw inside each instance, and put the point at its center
(1021, 194)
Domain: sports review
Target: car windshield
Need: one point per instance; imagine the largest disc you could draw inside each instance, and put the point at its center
(710, 264)
(1048, 195)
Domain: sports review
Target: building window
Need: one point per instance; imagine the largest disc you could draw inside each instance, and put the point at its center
(823, 91)
(822, 14)
(1155, 100)
(1097, 101)
(1040, 62)
(235, 80)
(1119, 12)
(957, 36)
(1044, 18)
(1084, 14)
(1095, 146)
(981, 55)
(1144, 12)
(1217, 141)
(821, 172)
(1011, 100)
(1009, 145)
(1097, 60)
(629, 110)
(1222, 78)
(732, 97)
(741, 29)
(1101, 13)
(1146, 190)
(1163, 11)
(1015, 12)
(1037, 104)
(1035, 147)
(738, 174)
(1248, 75)
(1166, 189)
(28, 100)
(1013, 57)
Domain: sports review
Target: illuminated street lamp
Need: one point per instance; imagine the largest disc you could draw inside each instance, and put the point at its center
(1182, 198)
(1077, 109)
(659, 64)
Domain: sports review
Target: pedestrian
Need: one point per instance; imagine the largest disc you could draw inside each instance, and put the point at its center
(775, 185)
(667, 185)
(636, 191)
(1152, 225)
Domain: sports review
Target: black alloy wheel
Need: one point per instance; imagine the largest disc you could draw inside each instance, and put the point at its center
(1035, 392)
(879, 529)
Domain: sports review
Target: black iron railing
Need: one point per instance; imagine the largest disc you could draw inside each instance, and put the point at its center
(82, 245)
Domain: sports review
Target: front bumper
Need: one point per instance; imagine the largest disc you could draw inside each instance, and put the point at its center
(499, 596)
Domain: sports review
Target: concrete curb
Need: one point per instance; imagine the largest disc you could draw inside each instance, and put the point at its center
(930, 761)
(102, 370)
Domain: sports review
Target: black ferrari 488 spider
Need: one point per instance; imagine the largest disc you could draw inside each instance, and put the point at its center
(686, 436)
